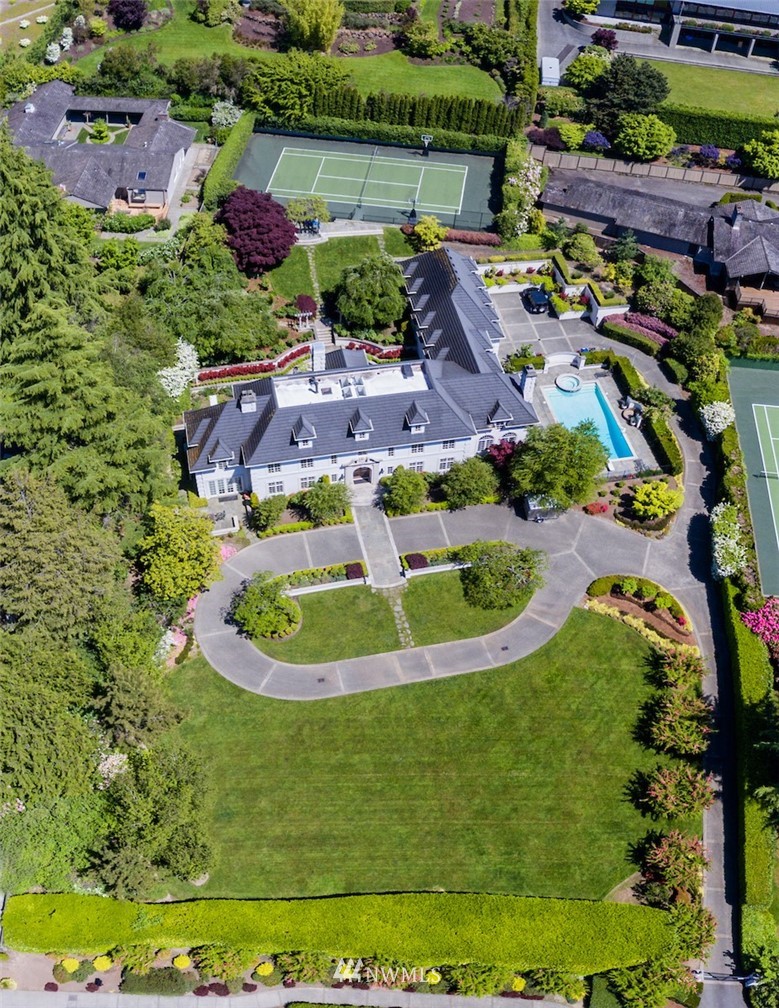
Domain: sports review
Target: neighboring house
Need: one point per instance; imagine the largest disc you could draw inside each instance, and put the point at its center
(737, 26)
(136, 172)
(737, 243)
(355, 422)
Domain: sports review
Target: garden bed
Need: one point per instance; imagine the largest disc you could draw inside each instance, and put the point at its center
(636, 597)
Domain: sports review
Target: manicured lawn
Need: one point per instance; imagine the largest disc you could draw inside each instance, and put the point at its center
(437, 611)
(293, 277)
(336, 254)
(342, 623)
(393, 72)
(184, 38)
(428, 9)
(505, 781)
(396, 243)
(723, 90)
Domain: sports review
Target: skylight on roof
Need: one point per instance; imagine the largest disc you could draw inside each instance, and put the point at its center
(141, 176)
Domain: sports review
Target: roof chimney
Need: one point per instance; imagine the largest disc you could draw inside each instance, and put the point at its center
(735, 220)
(247, 401)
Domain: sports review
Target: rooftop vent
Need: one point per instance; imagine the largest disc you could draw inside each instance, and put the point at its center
(29, 108)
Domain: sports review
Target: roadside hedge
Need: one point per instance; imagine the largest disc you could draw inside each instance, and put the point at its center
(219, 182)
(695, 125)
(427, 929)
(752, 680)
(406, 136)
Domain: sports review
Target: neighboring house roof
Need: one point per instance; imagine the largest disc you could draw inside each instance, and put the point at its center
(742, 237)
(640, 211)
(459, 392)
(93, 172)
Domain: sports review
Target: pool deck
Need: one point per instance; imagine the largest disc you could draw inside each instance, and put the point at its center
(635, 437)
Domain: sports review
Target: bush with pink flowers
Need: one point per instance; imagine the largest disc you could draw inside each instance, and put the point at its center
(765, 622)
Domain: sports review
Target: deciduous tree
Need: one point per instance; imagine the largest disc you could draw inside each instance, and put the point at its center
(369, 295)
(306, 208)
(656, 500)
(178, 555)
(285, 88)
(469, 482)
(258, 230)
(128, 15)
(313, 24)
(644, 137)
(404, 491)
(499, 574)
(557, 464)
(325, 502)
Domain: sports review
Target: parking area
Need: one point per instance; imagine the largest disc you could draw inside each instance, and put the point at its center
(545, 334)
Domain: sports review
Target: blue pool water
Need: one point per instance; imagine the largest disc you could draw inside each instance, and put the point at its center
(589, 403)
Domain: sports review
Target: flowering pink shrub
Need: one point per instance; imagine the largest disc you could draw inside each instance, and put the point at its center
(383, 353)
(257, 367)
(765, 622)
(227, 550)
(473, 237)
(624, 322)
(651, 323)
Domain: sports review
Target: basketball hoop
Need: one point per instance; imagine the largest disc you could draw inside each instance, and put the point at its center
(426, 139)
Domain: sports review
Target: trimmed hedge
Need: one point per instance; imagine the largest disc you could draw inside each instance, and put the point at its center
(679, 372)
(404, 136)
(752, 680)
(661, 438)
(695, 125)
(624, 335)
(191, 113)
(219, 181)
(578, 936)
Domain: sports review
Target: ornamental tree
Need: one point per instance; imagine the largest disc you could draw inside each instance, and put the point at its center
(625, 248)
(306, 208)
(581, 248)
(263, 610)
(128, 15)
(313, 24)
(404, 492)
(605, 38)
(428, 233)
(628, 85)
(582, 72)
(729, 554)
(644, 137)
(178, 556)
(676, 860)
(581, 8)
(370, 294)
(469, 482)
(557, 464)
(326, 502)
(258, 230)
(656, 500)
(681, 723)
(675, 791)
(499, 574)
(763, 154)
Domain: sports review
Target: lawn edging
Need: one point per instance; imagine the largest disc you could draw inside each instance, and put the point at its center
(579, 936)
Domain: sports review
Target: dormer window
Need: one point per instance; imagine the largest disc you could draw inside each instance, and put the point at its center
(303, 432)
(360, 425)
(416, 419)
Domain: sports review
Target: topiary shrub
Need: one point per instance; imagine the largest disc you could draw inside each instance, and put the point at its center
(102, 963)
(70, 964)
(417, 561)
(182, 961)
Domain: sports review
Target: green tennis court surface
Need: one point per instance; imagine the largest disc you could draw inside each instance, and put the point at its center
(755, 393)
(370, 179)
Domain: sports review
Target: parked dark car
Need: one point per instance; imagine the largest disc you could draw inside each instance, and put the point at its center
(536, 300)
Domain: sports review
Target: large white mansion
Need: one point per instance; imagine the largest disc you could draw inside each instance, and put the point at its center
(356, 422)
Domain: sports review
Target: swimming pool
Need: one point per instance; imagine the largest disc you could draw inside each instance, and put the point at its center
(589, 403)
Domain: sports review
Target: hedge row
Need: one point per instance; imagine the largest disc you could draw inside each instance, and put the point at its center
(624, 335)
(370, 6)
(432, 112)
(659, 435)
(191, 113)
(722, 129)
(219, 181)
(427, 929)
(63, 13)
(522, 19)
(406, 136)
(752, 680)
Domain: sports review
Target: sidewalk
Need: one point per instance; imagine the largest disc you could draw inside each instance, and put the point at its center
(378, 546)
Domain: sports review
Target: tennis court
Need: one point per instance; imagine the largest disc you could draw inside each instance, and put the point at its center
(370, 180)
(755, 392)
(363, 180)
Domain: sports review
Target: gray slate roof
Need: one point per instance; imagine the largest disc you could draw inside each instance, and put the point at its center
(465, 385)
(745, 238)
(93, 172)
(631, 209)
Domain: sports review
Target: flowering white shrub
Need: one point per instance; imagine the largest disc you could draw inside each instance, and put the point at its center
(67, 39)
(52, 52)
(42, 19)
(166, 642)
(729, 551)
(524, 190)
(24, 42)
(716, 417)
(15, 805)
(24, 24)
(225, 114)
(110, 766)
(176, 379)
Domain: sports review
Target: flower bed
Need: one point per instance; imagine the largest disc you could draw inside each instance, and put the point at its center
(376, 351)
(646, 600)
(256, 367)
(351, 571)
(654, 638)
(429, 558)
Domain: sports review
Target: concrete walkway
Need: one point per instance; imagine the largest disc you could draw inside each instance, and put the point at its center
(378, 546)
(263, 998)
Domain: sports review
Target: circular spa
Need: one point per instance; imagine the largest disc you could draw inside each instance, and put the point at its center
(568, 382)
